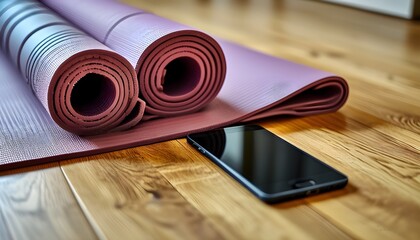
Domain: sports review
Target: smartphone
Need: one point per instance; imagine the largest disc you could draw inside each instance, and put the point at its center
(269, 166)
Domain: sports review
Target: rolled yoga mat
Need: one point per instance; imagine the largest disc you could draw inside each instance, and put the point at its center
(180, 70)
(86, 87)
(256, 86)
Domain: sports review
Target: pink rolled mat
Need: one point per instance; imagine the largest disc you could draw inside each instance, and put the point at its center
(85, 86)
(179, 69)
(256, 86)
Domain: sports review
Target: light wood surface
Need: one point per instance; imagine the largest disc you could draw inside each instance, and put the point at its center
(168, 190)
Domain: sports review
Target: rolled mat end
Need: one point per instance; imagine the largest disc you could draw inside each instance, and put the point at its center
(92, 92)
(181, 73)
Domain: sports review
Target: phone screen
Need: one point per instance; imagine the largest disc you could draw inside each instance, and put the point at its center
(266, 163)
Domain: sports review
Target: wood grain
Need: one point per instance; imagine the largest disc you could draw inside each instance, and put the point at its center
(127, 198)
(169, 191)
(37, 203)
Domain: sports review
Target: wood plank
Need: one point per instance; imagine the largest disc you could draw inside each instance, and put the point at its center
(127, 198)
(36, 202)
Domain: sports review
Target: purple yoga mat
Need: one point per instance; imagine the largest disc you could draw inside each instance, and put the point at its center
(256, 86)
(180, 69)
(60, 63)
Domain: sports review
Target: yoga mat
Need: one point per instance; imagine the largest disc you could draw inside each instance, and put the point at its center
(86, 87)
(180, 70)
(256, 86)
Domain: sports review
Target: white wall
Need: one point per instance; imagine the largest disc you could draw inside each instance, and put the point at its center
(399, 8)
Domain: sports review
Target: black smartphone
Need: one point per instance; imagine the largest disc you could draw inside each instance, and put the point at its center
(270, 167)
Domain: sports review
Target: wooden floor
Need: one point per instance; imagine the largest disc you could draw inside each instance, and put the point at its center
(168, 190)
